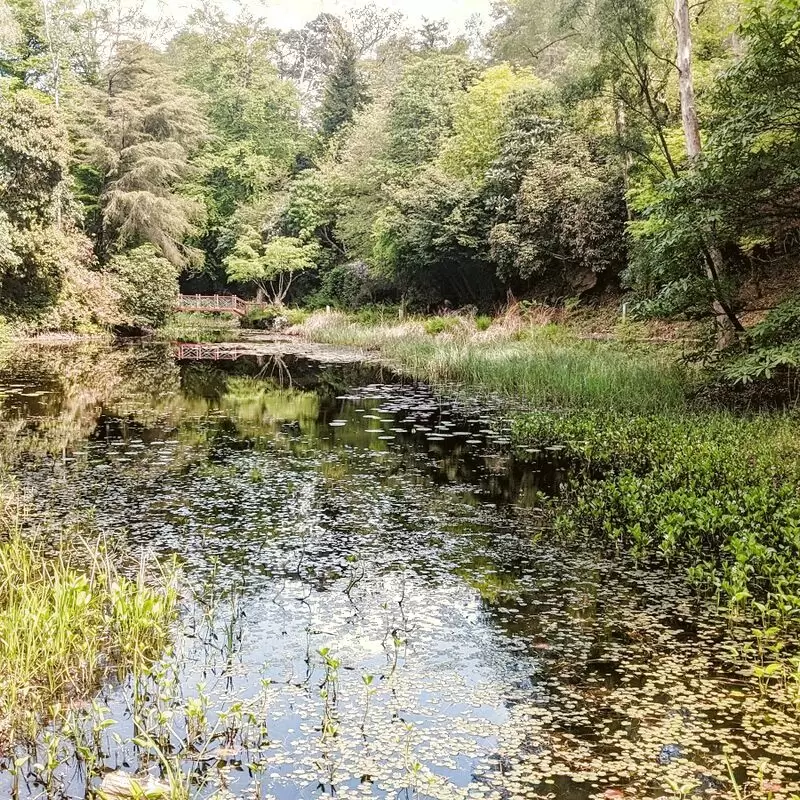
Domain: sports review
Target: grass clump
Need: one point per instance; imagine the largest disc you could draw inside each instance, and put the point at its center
(436, 325)
(189, 327)
(542, 365)
(542, 371)
(68, 618)
(715, 493)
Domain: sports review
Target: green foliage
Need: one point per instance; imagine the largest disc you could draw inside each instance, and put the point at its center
(437, 325)
(67, 616)
(772, 349)
(568, 217)
(422, 108)
(271, 265)
(483, 322)
(479, 119)
(714, 493)
(147, 285)
(153, 125)
(344, 92)
(33, 159)
(430, 241)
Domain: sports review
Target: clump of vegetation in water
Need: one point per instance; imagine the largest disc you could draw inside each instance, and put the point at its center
(187, 327)
(713, 492)
(542, 365)
(67, 618)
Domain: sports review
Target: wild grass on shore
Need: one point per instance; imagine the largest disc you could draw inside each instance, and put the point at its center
(68, 618)
(185, 327)
(539, 364)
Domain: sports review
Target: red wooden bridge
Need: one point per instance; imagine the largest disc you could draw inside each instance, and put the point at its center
(215, 303)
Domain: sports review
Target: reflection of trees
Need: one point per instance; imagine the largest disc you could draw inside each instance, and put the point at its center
(72, 388)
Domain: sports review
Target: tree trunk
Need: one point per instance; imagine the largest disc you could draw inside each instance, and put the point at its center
(726, 320)
(621, 125)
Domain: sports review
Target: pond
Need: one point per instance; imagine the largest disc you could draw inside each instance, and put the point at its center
(374, 606)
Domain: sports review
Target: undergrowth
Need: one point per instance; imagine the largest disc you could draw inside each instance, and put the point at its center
(715, 493)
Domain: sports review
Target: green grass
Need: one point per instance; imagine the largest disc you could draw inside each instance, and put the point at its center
(199, 327)
(538, 365)
(67, 619)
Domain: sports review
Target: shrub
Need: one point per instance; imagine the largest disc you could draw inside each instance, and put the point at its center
(483, 322)
(147, 285)
(261, 319)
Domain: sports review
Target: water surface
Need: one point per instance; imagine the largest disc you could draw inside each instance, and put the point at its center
(378, 608)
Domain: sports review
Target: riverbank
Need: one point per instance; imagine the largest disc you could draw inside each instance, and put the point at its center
(710, 493)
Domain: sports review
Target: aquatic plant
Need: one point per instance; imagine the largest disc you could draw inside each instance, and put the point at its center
(714, 493)
(67, 618)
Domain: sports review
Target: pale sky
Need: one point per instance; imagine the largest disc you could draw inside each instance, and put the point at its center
(295, 13)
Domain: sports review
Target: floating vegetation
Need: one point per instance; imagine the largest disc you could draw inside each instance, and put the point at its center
(383, 617)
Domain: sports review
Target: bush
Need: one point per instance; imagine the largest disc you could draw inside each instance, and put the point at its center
(437, 325)
(774, 348)
(483, 322)
(147, 285)
(261, 319)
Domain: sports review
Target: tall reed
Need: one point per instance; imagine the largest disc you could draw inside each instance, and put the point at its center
(542, 365)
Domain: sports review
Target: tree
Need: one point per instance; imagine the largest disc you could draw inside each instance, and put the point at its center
(422, 106)
(344, 92)
(271, 266)
(153, 127)
(254, 131)
(726, 320)
(147, 286)
(308, 57)
(431, 241)
(479, 119)
(37, 238)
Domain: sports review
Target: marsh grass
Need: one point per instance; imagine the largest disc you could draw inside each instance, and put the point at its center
(183, 327)
(538, 364)
(68, 618)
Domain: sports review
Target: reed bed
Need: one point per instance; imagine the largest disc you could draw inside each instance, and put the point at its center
(539, 364)
(68, 619)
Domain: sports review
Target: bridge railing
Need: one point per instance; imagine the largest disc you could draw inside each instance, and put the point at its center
(213, 302)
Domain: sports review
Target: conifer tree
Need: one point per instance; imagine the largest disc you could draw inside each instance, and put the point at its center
(344, 92)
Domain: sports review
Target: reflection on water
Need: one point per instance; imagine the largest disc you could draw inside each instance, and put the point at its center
(380, 589)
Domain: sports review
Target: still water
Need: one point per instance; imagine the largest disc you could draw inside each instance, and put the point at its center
(373, 605)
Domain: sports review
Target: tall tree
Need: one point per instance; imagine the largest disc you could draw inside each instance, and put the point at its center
(152, 127)
(726, 320)
(344, 91)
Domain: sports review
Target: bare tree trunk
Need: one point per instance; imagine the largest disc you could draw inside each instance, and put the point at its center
(726, 320)
(621, 124)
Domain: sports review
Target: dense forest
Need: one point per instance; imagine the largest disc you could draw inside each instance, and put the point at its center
(567, 149)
